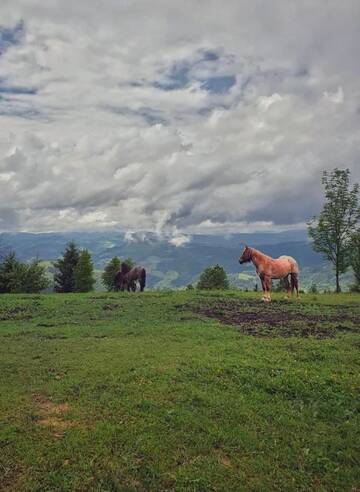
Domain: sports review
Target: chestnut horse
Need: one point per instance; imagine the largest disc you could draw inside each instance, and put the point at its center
(128, 278)
(269, 268)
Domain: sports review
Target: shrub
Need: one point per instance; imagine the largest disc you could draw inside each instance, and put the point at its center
(213, 278)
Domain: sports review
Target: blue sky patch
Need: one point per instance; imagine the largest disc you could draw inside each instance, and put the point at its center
(219, 85)
(10, 36)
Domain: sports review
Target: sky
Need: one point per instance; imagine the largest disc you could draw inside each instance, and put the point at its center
(178, 117)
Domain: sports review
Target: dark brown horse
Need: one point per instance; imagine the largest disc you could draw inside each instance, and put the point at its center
(269, 268)
(128, 277)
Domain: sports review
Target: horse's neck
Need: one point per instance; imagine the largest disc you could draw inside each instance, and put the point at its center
(257, 257)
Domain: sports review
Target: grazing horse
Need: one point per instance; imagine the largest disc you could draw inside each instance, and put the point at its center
(128, 278)
(269, 268)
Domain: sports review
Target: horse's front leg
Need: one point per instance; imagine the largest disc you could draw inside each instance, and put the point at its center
(267, 283)
(263, 286)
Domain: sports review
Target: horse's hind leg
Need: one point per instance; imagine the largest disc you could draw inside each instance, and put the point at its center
(295, 283)
(287, 287)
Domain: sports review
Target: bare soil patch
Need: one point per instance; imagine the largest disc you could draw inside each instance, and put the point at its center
(284, 319)
(52, 415)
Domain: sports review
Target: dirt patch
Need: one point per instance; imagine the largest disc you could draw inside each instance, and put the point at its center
(52, 415)
(279, 318)
(111, 307)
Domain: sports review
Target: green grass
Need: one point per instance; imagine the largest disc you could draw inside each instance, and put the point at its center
(160, 398)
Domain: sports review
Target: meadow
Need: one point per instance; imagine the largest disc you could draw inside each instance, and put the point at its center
(179, 390)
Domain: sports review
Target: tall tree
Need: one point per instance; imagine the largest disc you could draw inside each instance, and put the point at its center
(213, 278)
(331, 231)
(84, 273)
(355, 259)
(108, 276)
(65, 276)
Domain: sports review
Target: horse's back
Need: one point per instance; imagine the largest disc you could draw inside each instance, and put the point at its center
(294, 267)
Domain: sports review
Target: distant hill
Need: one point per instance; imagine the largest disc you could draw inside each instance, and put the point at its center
(170, 266)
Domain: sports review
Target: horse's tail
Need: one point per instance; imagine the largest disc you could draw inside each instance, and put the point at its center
(142, 279)
(294, 277)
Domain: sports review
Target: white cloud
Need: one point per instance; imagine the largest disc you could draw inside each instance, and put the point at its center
(90, 138)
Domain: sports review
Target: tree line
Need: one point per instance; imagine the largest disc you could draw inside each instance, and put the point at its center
(74, 272)
(335, 233)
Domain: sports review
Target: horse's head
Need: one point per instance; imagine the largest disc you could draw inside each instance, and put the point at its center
(246, 255)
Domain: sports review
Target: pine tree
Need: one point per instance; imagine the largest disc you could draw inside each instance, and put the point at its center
(35, 279)
(65, 277)
(84, 273)
(108, 276)
(12, 273)
(213, 278)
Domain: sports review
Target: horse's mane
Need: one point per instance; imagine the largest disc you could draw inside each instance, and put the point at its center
(256, 251)
(125, 268)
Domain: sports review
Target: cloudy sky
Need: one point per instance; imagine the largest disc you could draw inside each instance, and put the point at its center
(176, 116)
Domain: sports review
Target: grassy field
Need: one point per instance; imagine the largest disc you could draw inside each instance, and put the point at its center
(184, 391)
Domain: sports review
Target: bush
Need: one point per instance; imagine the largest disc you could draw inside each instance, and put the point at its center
(213, 278)
(313, 289)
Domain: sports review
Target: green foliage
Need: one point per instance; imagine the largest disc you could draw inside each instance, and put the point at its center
(12, 273)
(313, 289)
(331, 231)
(84, 273)
(18, 277)
(108, 276)
(64, 278)
(129, 261)
(35, 279)
(355, 260)
(213, 278)
(189, 287)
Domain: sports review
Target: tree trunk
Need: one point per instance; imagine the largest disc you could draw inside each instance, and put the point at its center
(338, 289)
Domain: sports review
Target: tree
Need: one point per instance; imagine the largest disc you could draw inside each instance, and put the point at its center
(65, 277)
(213, 278)
(355, 259)
(16, 277)
(108, 276)
(84, 273)
(129, 261)
(12, 274)
(331, 231)
(35, 279)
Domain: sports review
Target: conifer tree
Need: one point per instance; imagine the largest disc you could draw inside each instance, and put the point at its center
(84, 273)
(12, 273)
(65, 276)
(35, 279)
